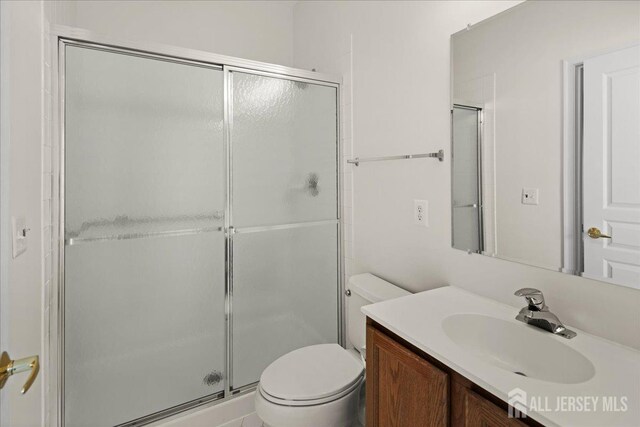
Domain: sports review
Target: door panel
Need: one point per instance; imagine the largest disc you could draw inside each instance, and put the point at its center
(466, 195)
(284, 295)
(465, 151)
(284, 171)
(611, 179)
(284, 139)
(479, 412)
(403, 390)
(144, 326)
(144, 313)
(465, 228)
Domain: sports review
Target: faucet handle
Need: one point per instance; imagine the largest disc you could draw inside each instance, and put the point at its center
(534, 298)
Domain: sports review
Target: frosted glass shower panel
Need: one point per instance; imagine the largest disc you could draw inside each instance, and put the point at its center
(144, 326)
(284, 148)
(285, 295)
(465, 153)
(466, 234)
(466, 180)
(144, 144)
(144, 248)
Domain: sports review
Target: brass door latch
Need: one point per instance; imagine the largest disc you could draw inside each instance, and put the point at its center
(595, 233)
(9, 367)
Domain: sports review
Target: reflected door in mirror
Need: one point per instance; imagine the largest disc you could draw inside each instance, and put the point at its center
(611, 182)
(557, 151)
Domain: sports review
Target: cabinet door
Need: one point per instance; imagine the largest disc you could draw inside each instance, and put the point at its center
(479, 412)
(403, 389)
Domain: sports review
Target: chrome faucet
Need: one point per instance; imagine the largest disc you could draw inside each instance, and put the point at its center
(536, 313)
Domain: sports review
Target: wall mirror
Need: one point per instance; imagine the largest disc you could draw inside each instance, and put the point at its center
(545, 110)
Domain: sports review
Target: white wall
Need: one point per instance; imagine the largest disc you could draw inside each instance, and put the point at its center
(26, 191)
(261, 31)
(528, 45)
(400, 67)
(22, 119)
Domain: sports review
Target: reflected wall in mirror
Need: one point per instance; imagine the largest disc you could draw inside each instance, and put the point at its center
(546, 138)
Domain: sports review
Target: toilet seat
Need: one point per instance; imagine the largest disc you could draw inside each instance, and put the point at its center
(310, 376)
(312, 402)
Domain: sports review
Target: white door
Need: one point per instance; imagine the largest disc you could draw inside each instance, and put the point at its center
(611, 166)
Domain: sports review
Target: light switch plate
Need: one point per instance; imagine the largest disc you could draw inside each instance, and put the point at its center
(19, 235)
(529, 196)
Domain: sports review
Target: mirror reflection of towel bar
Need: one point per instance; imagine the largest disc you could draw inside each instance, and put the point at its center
(438, 155)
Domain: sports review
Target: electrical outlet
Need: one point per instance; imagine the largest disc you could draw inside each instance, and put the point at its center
(421, 212)
(529, 196)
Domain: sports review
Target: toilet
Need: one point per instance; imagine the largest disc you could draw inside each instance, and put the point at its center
(320, 385)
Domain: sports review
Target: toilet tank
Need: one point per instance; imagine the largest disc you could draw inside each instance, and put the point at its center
(366, 289)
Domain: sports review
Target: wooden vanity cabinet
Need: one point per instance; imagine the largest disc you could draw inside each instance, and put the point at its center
(403, 389)
(408, 388)
(479, 412)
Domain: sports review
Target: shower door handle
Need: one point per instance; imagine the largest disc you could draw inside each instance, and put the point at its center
(9, 367)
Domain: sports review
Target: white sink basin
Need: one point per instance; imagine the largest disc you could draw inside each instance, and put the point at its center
(518, 348)
(480, 339)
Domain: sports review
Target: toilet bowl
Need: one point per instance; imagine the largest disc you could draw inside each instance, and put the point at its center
(317, 385)
(320, 385)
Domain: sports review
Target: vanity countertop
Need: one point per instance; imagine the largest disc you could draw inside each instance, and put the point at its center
(418, 319)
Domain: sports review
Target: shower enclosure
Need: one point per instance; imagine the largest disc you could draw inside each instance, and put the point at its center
(466, 178)
(199, 224)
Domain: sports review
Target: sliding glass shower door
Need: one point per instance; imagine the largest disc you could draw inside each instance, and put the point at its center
(144, 259)
(201, 229)
(468, 231)
(285, 218)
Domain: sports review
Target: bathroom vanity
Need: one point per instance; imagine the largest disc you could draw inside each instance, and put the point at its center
(407, 387)
(447, 357)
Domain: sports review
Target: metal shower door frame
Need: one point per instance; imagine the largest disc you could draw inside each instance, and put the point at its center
(62, 36)
(479, 144)
(232, 230)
